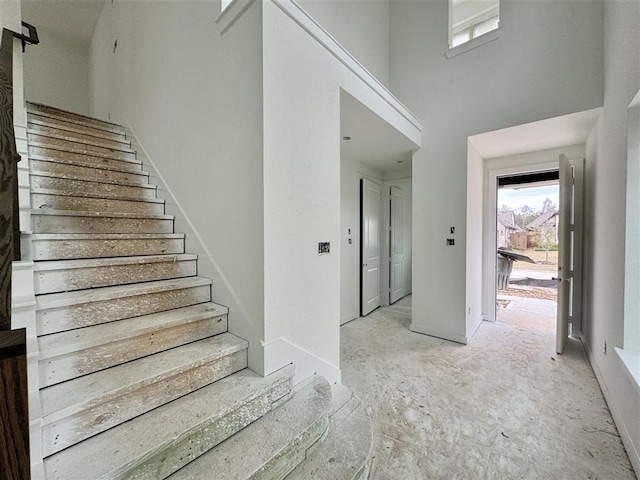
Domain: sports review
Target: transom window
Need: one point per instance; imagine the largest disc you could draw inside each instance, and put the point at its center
(469, 19)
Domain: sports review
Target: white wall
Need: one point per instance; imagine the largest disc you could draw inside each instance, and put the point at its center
(361, 26)
(194, 99)
(545, 63)
(302, 83)
(64, 65)
(606, 171)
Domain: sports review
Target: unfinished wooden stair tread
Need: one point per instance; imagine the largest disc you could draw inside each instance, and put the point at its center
(88, 172)
(60, 246)
(273, 445)
(85, 406)
(83, 339)
(167, 438)
(68, 275)
(53, 112)
(65, 155)
(85, 145)
(346, 450)
(49, 125)
(77, 135)
(57, 312)
(42, 198)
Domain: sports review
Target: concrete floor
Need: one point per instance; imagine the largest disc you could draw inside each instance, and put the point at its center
(503, 407)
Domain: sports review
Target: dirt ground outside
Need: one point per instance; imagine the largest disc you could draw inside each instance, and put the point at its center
(529, 292)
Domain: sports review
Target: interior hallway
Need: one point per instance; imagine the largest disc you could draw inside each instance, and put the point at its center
(503, 407)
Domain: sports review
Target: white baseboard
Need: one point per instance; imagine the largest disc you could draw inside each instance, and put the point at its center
(281, 352)
(632, 450)
(433, 333)
(474, 328)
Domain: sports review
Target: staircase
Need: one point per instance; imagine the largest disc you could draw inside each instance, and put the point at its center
(139, 376)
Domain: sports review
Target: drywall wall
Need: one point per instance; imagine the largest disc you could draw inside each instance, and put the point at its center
(193, 97)
(545, 63)
(606, 172)
(302, 83)
(65, 65)
(361, 26)
(351, 172)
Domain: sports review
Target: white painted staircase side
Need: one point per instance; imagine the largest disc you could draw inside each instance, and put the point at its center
(139, 376)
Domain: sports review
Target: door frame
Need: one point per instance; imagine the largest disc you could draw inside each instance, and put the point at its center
(490, 237)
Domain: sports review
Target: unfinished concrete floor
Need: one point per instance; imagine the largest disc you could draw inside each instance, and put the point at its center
(503, 407)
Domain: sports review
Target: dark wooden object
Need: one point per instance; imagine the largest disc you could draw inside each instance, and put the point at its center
(14, 406)
(8, 180)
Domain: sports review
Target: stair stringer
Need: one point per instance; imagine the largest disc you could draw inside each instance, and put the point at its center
(242, 323)
(23, 300)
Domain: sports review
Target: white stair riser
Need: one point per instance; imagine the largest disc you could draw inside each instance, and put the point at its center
(79, 136)
(86, 248)
(91, 173)
(64, 367)
(89, 204)
(52, 281)
(82, 158)
(60, 319)
(71, 117)
(136, 400)
(170, 458)
(72, 224)
(88, 187)
(66, 125)
(85, 148)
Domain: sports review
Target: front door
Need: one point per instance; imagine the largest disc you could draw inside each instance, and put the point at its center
(565, 253)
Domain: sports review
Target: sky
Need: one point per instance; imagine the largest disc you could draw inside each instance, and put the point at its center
(532, 196)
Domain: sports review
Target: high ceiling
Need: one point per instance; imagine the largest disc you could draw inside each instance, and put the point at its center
(74, 20)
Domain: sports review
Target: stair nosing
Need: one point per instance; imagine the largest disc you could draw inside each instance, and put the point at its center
(81, 152)
(55, 265)
(97, 196)
(66, 299)
(75, 140)
(175, 317)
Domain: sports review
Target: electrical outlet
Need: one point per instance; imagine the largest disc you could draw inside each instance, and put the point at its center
(324, 247)
(451, 241)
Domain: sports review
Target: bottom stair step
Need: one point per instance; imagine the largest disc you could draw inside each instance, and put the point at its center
(345, 453)
(158, 443)
(272, 446)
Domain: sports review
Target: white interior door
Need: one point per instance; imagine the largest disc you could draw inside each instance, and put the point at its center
(396, 245)
(565, 253)
(370, 246)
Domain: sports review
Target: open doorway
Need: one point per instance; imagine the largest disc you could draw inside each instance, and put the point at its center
(527, 221)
